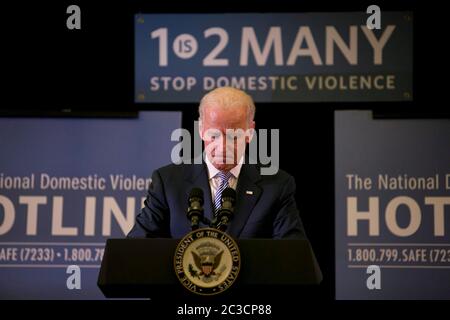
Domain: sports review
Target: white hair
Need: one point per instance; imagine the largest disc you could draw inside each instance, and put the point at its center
(228, 97)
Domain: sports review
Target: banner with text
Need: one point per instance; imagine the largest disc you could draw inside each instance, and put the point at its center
(392, 207)
(278, 57)
(66, 185)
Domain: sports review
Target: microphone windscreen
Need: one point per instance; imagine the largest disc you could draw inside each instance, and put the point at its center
(229, 193)
(196, 193)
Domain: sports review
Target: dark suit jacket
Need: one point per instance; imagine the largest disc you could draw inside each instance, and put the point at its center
(270, 212)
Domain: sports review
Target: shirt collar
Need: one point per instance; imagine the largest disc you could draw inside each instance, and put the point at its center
(212, 171)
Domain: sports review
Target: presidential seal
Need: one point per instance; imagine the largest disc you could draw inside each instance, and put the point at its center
(207, 261)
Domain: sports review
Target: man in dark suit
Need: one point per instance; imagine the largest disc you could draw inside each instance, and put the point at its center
(265, 204)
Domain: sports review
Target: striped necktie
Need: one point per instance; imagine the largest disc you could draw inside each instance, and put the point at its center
(224, 177)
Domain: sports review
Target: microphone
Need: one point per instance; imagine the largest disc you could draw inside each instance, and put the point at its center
(195, 209)
(226, 211)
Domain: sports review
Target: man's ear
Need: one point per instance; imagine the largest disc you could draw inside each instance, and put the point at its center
(200, 128)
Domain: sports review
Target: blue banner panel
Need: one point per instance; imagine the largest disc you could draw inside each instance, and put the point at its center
(66, 185)
(277, 57)
(392, 207)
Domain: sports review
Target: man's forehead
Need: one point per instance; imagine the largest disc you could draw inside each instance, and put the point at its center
(222, 123)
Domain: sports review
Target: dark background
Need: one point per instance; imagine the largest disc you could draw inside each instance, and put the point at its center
(47, 70)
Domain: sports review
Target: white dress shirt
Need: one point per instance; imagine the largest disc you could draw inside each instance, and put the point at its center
(214, 180)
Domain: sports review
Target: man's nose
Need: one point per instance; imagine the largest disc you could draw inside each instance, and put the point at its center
(225, 143)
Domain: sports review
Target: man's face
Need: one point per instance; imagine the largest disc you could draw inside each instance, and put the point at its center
(225, 133)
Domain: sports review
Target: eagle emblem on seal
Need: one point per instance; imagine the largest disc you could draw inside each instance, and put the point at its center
(207, 258)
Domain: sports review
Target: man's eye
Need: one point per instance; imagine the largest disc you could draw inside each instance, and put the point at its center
(233, 137)
(213, 136)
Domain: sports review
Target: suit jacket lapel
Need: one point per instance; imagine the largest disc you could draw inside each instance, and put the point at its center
(245, 202)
